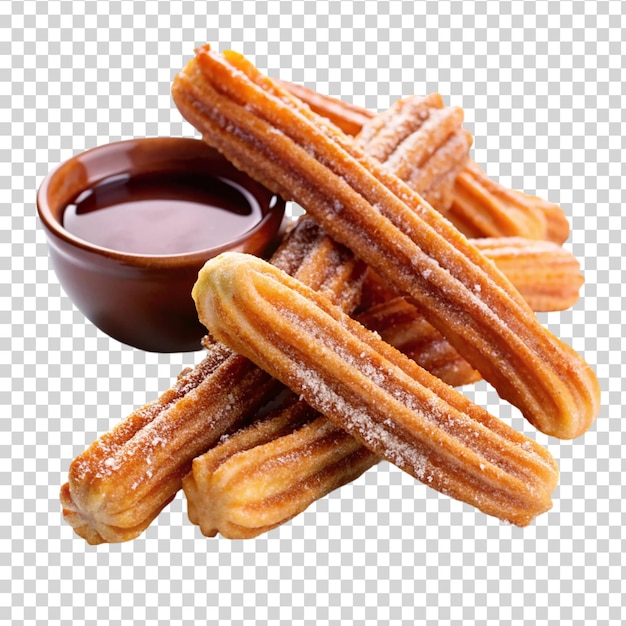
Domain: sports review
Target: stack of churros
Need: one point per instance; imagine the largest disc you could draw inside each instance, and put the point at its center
(411, 273)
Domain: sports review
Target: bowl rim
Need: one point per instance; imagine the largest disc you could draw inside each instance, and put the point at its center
(276, 212)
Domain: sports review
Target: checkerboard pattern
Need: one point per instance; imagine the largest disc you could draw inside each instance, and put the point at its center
(543, 88)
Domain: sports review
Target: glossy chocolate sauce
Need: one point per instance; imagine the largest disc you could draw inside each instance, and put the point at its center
(162, 213)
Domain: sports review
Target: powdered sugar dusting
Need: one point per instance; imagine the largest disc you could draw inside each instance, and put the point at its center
(359, 422)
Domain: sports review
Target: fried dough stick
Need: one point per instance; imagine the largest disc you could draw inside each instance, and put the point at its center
(384, 400)
(547, 275)
(275, 139)
(270, 471)
(191, 398)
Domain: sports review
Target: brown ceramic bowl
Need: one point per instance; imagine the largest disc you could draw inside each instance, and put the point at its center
(144, 300)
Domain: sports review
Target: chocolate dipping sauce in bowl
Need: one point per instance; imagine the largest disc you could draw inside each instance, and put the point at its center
(130, 224)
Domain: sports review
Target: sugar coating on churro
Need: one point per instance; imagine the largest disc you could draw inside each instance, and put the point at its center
(286, 147)
(383, 399)
(271, 470)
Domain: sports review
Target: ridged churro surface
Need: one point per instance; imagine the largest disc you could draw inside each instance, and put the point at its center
(422, 142)
(235, 489)
(390, 405)
(545, 273)
(121, 482)
(275, 139)
(270, 471)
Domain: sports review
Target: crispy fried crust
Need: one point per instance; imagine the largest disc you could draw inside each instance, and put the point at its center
(269, 134)
(276, 467)
(383, 399)
(268, 472)
(124, 479)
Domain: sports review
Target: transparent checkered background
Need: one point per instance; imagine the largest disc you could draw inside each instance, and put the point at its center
(542, 84)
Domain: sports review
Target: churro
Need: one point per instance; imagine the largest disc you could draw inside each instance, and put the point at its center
(120, 483)
(423, 143)
(348, 117)
(546, 274)
(270, 471)
(273, 469)
(280, 142)
(384, 400)
(114, 491)
(102, 471)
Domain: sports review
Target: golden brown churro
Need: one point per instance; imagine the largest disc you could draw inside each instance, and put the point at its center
(383, 399)
(194, 401)
(423, 143)
(545, 273)
(235, 488)
(265, 474)
(481, 208)
(348, 117)
(281, 143)
(120, 483)
(125, 461)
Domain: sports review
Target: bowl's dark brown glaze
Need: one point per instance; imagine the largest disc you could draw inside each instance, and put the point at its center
(143, 300)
